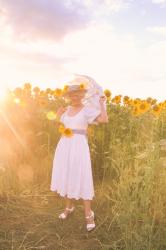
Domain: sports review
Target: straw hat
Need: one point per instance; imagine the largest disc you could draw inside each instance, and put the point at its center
(89, 86)
(78, 84)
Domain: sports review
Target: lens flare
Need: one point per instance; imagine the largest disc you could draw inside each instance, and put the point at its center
(3, 93)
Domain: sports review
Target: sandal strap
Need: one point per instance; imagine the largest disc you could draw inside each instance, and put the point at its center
(69, 209)
(90, 216)
(62, 215)
(90, 225)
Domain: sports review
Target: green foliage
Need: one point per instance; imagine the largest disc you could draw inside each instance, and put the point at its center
(128, 160)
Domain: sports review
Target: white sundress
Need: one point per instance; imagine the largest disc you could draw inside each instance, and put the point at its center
(72, 171)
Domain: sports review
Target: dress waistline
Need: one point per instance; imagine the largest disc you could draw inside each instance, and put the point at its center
(79, 131)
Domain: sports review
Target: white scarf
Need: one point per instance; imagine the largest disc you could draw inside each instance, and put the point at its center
(94, 92)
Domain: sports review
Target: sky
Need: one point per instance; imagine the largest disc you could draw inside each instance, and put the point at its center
(119, 43)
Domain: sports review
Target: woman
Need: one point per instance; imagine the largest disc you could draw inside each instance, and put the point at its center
(72, 173)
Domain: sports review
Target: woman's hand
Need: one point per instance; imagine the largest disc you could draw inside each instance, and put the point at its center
(61, 110)
(102, 99)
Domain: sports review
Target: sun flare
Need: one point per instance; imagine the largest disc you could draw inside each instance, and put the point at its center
(3, 93)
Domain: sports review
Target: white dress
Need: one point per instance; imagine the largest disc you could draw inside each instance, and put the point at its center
(71, 171)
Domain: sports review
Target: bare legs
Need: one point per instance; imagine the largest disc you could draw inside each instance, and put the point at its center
(69, 204)
(87, 210)
(87, 207)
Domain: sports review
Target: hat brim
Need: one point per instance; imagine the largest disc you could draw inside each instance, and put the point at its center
(75, 91)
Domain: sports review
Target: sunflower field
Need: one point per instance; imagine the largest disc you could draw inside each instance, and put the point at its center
(129, 168)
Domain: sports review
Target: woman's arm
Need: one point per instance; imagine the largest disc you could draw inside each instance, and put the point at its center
(103, 117)
(59, 112)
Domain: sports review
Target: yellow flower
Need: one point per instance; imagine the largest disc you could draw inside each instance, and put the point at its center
(136, 102)
(18, 92)
(27, 86)
(57, 92)
(156, 109)
(126, 100)
(68, 132)
(149, 100)
(117, 99)
(48, 91)
(154, 101)
(107, 93)
(61, 128)
(36, 90)
(131, 102)
(65, 131)
(164, 104)
(82, 86)
(143, 106)
(65, 88)
(135, 111)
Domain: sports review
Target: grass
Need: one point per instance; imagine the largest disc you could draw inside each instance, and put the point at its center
(31, 222)
(129, 168)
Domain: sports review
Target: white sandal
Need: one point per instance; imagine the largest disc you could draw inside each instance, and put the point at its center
(90, 226)
(63, 215)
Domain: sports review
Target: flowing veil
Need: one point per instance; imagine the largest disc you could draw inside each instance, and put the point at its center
(94, 92)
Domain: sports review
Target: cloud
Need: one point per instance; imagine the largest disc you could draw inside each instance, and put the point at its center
(119, 61)
(161, 2)
(117, 5)
(116, 61)
(53, 19)
(108, 5)
(158, 30)
(43, 18)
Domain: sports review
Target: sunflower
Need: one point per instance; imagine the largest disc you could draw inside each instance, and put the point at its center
(65, 131)
(126, 100)
(82, 86)
(156, 109)
(36, 90)
(154, 101)
(58, 92)
(143, 106)
(131, 102)
(135, 111)
(68, 132)
(149, 100)
(61, 128)
(27, 86)
(65, 88)
(136, 102)
(117, 99)
(107, 93)
(18, 92)
(48, 91)
(164, 104)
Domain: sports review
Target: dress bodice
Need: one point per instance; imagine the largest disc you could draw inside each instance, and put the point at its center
(80, 120)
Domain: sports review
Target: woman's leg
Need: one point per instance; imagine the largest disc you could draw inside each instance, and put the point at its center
(69, 204)
(87, 210)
